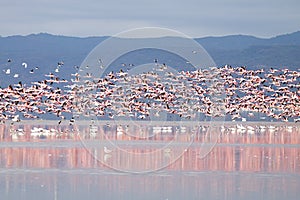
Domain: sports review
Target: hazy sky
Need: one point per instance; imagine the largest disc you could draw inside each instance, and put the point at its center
(196, 18)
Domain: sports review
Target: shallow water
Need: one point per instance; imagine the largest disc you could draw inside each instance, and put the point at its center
(252, 163)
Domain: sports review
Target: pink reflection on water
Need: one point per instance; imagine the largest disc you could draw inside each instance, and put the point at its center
(271, 150)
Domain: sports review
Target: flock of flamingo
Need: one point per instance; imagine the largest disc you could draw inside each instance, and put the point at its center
(160, 93)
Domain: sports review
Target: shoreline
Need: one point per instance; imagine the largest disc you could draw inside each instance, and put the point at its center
(151, 123)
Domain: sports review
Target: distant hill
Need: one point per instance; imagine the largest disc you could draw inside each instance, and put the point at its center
(43, 51)
(236, 50)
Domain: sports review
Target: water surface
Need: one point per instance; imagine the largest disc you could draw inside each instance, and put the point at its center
(262, 162)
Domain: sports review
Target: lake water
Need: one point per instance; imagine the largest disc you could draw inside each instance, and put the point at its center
(248, 161)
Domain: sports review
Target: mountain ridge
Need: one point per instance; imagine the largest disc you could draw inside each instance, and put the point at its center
(44, 50)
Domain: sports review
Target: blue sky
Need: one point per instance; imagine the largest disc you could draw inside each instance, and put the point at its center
(196, 18)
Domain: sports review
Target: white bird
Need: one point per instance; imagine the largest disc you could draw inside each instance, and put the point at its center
(101, 63)
(7, 71)
(167, 152)
(24, 64)
(16, 118)
(106, 150)
(106, 157)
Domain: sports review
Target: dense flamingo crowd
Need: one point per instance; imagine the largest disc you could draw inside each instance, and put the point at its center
(237, 93)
